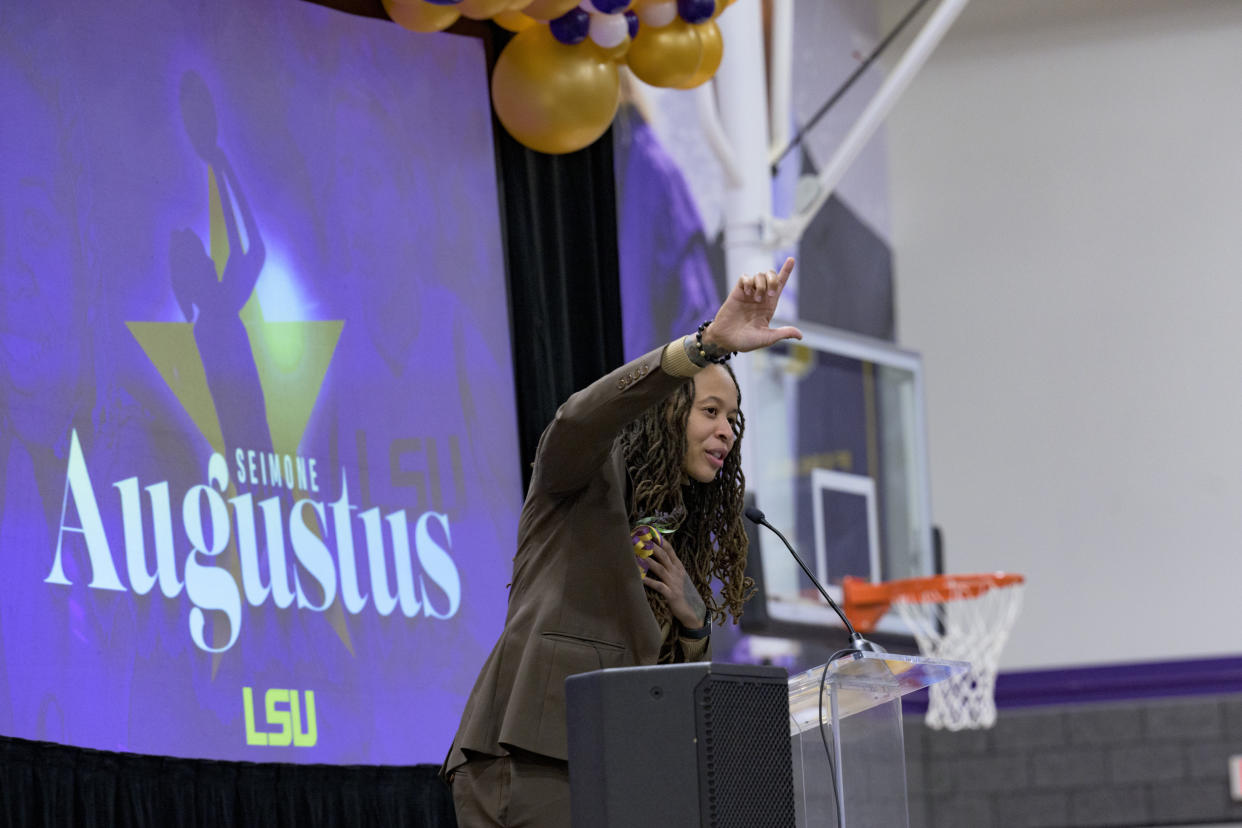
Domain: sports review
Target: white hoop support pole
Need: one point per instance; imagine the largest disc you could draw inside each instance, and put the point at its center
(788, 231)
(743, 100)
(743, 106)
(709, 119)
(780, 91)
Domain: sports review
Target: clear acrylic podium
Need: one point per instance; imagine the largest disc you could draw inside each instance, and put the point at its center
(863, 785)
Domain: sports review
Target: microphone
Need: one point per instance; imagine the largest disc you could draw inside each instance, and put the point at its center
(755, 515)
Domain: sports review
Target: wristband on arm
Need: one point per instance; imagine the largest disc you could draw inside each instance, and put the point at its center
(706, 352)
(702, 632)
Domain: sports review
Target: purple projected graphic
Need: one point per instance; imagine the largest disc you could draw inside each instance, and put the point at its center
(667, 283)
(259, 477)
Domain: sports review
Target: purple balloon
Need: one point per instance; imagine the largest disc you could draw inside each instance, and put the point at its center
(571, 27)
(444, 2)
(609, 6)
(696, 11)
(632, 19)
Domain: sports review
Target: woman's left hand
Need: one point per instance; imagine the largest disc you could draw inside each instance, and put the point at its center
(742, 322)
(667, 576)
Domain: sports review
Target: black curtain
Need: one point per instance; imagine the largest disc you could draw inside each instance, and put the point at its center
(43, 784)
(559, 219)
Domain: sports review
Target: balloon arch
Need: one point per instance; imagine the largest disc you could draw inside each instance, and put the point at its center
(555, 86)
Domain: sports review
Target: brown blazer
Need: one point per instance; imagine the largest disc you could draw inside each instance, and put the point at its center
(577, 602)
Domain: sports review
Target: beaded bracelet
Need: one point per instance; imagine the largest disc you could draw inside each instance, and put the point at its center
(717, 356)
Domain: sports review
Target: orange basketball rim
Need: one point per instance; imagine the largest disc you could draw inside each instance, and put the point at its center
(866, 602)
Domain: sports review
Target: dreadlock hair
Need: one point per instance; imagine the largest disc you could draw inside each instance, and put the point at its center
(709, 537)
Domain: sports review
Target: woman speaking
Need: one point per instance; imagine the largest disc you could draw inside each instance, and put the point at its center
(634, 506)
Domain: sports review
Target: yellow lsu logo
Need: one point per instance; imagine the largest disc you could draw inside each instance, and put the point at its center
(284, 710)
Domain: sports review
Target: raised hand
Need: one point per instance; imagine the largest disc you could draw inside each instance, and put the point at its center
(198, 114)
(742, 323)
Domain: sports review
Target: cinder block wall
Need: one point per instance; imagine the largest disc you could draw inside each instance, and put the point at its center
(1132, 763)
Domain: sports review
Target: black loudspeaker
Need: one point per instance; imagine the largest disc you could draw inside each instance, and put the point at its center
(679, 746)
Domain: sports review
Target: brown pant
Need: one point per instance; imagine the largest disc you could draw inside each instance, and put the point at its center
(524, 790)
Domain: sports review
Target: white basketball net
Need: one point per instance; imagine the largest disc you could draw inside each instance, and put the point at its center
(963, 628)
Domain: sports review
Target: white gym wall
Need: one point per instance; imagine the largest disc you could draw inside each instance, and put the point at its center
(1066, 193)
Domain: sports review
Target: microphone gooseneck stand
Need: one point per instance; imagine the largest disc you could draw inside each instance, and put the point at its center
(858, 644)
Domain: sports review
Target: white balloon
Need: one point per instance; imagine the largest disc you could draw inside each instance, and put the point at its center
(608, 30)
(658, 15)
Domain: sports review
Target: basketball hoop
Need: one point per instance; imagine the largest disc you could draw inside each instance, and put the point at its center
(955, 617)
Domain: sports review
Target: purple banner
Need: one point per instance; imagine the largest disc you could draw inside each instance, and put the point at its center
(259, 476)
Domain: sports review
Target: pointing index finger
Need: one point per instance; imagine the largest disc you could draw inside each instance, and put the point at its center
(786, 270)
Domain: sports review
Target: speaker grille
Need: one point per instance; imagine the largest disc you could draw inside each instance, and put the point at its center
(745, 764)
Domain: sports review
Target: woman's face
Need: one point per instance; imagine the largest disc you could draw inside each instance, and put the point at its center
(709, 430)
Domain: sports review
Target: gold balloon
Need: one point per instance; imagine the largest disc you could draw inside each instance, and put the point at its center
(668, 56)
(514, 21)
(713, 51)
(418, 16)
(482, 9)
(613, 54)
(548, 9)
(551, 97)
